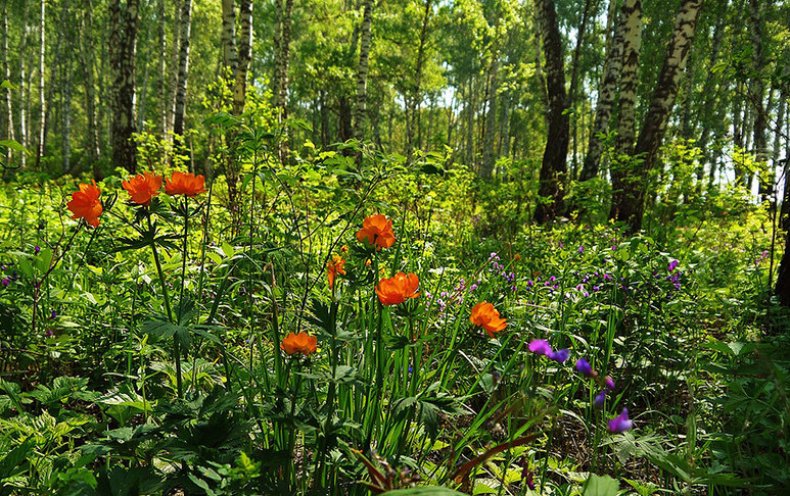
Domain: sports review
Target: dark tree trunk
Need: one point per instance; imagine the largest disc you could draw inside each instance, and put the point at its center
(553, 168)
(122, 54)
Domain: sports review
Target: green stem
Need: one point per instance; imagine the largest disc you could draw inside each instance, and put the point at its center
(166, 297)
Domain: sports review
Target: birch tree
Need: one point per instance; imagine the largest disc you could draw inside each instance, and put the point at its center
(629, 200)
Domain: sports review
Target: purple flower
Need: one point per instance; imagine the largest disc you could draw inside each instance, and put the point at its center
(50, 333)
(560, 356)
(540, 347)
(37, 249)
(614, 247)
(672, 265)
(585, 294)
(530, 283)
(6, 281)
(579, 287)
(581, 249)
(599, 399)
(552, 278)
(473, 287)
(596, 288)
(607, 277)
(609, 383)
(513, 288)
(621, 423)
(53, 314)
(584, 367)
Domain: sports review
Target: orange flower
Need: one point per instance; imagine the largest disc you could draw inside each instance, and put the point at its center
(486, 316)
(377, 231)
(85, 204)
(397, 289)
(335, 267)
(185, 183)
(143, 187)
(299, 343)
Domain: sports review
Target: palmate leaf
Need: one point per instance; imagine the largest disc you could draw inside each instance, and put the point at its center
(424, 491)
(601, 485)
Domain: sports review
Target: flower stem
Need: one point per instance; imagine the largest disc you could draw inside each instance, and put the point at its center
(166, 297)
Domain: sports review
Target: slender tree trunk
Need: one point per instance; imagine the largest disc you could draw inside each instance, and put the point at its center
(758, 95)
(124, 21)
(606, 94)
(66, 85)
(580, 34)
(183, 67)
(244, 57)
(413, 123)
(362, 71)
(229, 54)
(87, 55)
(172, 85)
(629, 78)
(161, 32)
(631, 198)
(709, 97)
(553, 168)
(42, 124)
(487, 171)
(9, 105)
(23, 87)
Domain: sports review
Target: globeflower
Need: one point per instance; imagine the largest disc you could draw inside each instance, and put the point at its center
(143, 187)
(397, 289)
(185, 183)
(335, 267)
(85, 204)
(301, 343)
(377, 231)
(621, 423)
(486, 316)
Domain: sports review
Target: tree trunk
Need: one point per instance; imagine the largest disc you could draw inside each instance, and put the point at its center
(229, 54)
(629, 79)
(66, 85)
(244, 57)
(758, 95)
(122, 54)
(87, 53)
(606, 94)
(709, 96)
(162, 14)
(553, 168)
(42, 99)
(24, 93)
(183, 68)
(9, 105)
(362, 71)
(487, 171)
(580, 33)
(630, 199)
(413, 101)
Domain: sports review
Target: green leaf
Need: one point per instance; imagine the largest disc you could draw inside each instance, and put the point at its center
(424, 491)
(601, 485)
